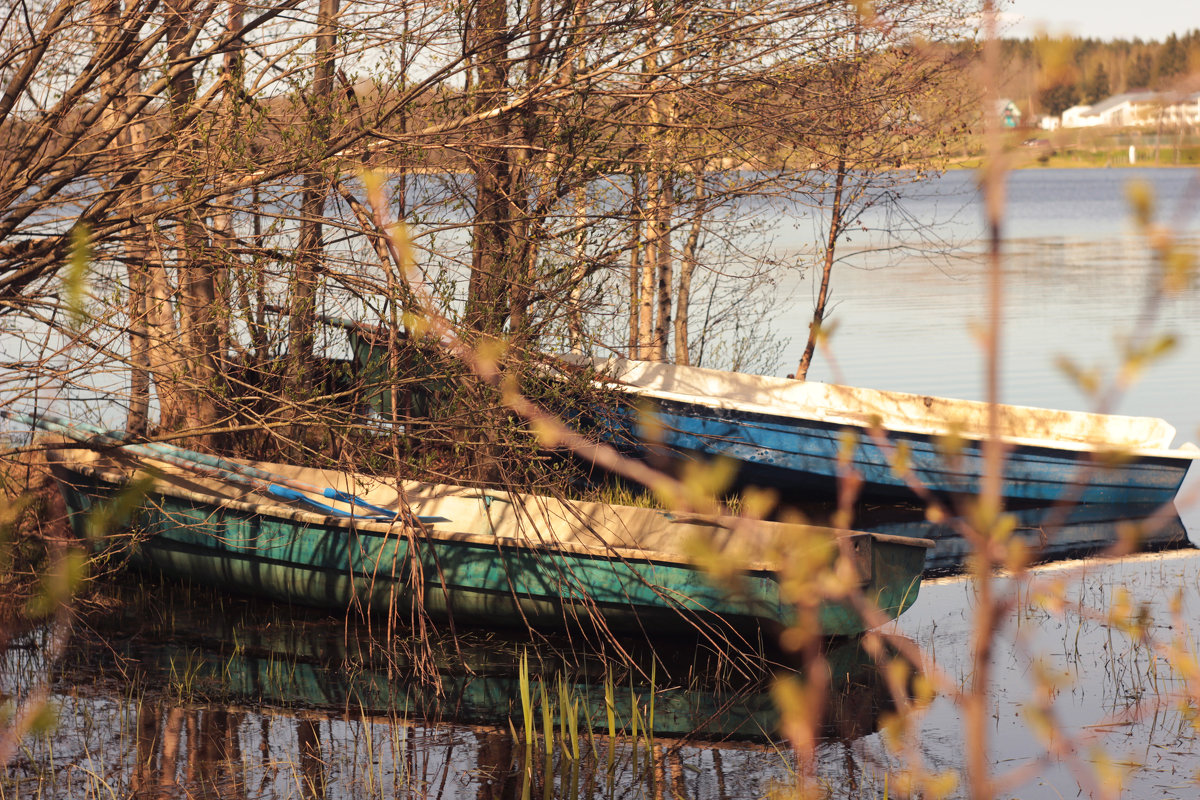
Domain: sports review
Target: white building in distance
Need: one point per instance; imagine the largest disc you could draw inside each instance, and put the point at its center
(1144, 108)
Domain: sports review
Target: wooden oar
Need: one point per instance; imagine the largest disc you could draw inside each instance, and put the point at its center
(224, 465)
(276, 485)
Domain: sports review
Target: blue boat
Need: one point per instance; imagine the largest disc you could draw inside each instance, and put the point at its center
(790, 435)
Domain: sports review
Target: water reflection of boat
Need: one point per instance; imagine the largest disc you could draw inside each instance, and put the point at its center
(479, 556)
(1049, 532)
(255, 661)
(789, 434)
(201, 696)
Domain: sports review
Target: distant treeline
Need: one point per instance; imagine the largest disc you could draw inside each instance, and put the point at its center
(1047, 75)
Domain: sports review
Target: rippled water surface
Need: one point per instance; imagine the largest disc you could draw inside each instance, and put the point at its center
(183, 693)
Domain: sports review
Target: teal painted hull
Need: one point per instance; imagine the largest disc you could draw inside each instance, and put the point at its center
(310, 560)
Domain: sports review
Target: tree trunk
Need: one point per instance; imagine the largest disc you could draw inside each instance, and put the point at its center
(155, 349)
(665, 208)
(650, 257)
(197, 293)
(523, 248)
(649, 265)
(635, 264)
(521, 252)
(837, 214)
(487, 302)
(165, 352)
(303, 313)
(687, 267)
(578, 272)
(223, 205)
(138, 416)
(105, 20)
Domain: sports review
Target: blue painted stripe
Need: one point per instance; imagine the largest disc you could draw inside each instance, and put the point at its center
(794, 454)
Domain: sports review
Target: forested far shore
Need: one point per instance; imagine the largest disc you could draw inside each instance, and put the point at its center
(1047, 75)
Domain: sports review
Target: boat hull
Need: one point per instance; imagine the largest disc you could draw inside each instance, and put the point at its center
(805, 457)
(300, 559)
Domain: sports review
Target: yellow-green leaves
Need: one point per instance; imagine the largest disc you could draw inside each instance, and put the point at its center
(1110, 773)
(75, 278)
(1179, 270)
(758, 503)
(59, 584)
(106, 518)
(416, 324)
(1138, 356)
(489, 353)
(700, 485)
(649, 426)
(823, 332)
(372, 181)
(1123, 614)
(704, 482)
(1086, 379)
(1141, 202)
(44, 719)
(950, 444)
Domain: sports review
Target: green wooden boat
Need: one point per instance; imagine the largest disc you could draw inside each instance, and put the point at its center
(488, 557)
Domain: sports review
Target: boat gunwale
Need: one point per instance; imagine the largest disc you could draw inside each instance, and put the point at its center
(609, 372)
(624, 553)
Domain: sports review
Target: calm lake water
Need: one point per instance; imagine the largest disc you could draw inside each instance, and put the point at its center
(181, 693)
(1117, 697)
(1077, 277)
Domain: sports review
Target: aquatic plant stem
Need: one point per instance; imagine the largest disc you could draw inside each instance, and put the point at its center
(977, 701)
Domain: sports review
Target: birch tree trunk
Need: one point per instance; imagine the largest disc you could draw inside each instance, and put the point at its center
(649, 266)
(105, 20)
(222, 217)
(837, 214)
(635, 264)
(578, 272)
(687, 267)
(646, 296)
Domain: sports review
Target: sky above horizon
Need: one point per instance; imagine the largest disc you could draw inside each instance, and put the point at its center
(1102, 19)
